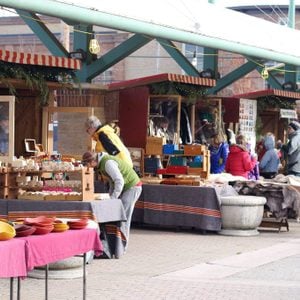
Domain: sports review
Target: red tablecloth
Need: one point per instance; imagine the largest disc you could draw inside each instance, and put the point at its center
(12, 258)
(49, 248)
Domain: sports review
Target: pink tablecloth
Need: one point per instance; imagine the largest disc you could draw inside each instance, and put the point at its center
(49, 248)
(12, 258)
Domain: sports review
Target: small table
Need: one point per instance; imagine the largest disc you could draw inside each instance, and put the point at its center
(22, 254)
(13, 262)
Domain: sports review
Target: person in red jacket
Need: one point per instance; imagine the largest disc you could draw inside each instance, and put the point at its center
(239, 161)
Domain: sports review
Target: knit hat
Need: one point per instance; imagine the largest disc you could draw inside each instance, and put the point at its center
(295, 125)
(87, 157)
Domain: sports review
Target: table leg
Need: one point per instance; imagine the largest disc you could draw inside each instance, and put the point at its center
(11, 288)
(46, 281)
(18, 289)
(84, 276)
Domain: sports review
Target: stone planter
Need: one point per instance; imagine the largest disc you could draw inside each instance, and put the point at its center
(241, 215)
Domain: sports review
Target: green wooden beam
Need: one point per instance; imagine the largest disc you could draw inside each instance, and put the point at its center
(233, 76)
(43, 33)
(177, 55)
(290, 70)
(273, 82)
(210, 60)
(88, 72)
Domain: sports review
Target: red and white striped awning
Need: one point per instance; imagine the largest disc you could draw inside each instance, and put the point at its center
(269, 92)
(39, 59)
(206, 82)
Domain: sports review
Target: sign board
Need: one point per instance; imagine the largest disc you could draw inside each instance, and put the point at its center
(247, 120)
(288, 114)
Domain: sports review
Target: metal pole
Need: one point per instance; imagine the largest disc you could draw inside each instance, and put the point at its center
(18, 289)
(46, 281)
(84, 276)
(11, 288)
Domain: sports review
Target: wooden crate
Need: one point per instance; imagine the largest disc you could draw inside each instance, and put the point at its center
(193, 150)
(154, 145)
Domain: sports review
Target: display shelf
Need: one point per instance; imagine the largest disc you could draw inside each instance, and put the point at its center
(10, 189)
(184, 166)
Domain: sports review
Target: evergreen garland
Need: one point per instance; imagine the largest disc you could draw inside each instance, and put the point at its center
(189, 91)
(272, 101)
(35, 77)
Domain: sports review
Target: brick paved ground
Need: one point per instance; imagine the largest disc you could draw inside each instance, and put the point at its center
(165, 264)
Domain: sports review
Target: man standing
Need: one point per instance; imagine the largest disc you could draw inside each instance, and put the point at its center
(124, 183)
(292, 149)
(106, 139)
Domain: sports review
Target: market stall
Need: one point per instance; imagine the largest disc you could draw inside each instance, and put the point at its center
(272, 111)
(28, 83)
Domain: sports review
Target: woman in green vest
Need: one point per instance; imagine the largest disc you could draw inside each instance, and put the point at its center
(124, 183)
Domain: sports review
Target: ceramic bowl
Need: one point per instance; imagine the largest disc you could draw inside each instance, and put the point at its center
(7, 231)
(26, 232)
(60, 227)
(40, 219)
(78, 226)
(21, 227)
(79, 222)
(42, 230)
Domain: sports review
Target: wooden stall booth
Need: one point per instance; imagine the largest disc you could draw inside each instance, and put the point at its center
(275, 108)
(31, 79)
(147, 102)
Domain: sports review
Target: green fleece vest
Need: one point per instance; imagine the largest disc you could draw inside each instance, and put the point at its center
(128, 173)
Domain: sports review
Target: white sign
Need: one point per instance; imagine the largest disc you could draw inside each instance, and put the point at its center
(288, 114)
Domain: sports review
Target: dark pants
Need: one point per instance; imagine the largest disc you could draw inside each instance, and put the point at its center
(268, 175)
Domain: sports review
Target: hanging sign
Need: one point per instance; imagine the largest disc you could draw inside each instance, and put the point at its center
(288, 113)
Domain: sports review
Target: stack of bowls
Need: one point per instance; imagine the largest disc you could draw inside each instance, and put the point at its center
(24, 230)
(42, 224)
(78, 224)
(59, 226)
(7, 231)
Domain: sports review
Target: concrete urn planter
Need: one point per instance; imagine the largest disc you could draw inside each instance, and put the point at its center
(241, 215)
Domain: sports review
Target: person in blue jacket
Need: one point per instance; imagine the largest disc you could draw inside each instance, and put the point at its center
(219, 150)
(269, 163)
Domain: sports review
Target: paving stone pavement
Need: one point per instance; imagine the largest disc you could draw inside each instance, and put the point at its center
(163, 264)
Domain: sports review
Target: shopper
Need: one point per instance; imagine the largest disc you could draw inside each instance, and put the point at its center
(219, 150)
(124, 183)
(292, 149)
(106, 139)
(269, 162)
(239, 161)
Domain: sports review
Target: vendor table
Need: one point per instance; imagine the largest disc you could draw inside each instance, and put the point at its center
(20, 255)
(13, 261)
(108, 213)
(180, 206)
